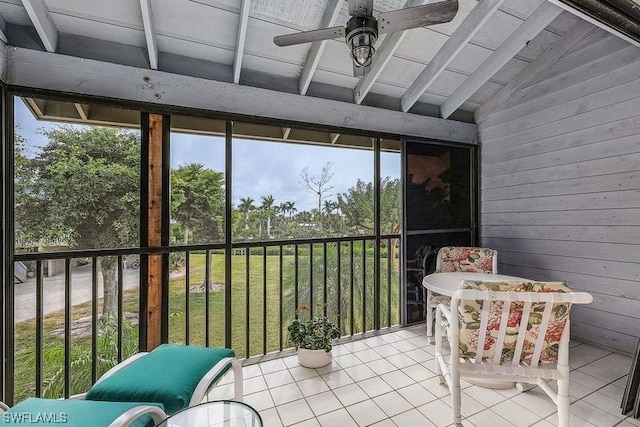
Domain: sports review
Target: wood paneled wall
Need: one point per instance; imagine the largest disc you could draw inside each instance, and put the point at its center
(560, 185)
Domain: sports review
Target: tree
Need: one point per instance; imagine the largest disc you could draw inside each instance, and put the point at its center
(291, 208)
(357, 206)
(319, 185)
(245, 206)
(267, 207)
(83, 188)
(197, 202)
(283, 208)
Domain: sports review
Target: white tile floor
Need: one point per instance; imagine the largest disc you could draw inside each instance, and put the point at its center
(388, 380)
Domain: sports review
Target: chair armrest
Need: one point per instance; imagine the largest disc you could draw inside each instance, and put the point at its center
(80, 396)
(209, 380)
(446, 312)
(126, 418)
(3, 407)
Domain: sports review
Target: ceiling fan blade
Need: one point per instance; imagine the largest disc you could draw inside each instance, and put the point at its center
(309, 36)
(418, 16)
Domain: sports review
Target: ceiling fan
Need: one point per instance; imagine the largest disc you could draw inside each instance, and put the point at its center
(362, 29)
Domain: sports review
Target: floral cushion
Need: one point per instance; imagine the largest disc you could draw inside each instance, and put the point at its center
(466, 259)
(437, 298)
(469, 312)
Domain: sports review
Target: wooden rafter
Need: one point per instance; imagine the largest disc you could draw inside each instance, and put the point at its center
(285, 133)
(43, 23)
(240, 40)
(83, 111)
(3, 30)
(535, 23)
(581, 31)
(476, 19)
(149, 33)
(317, 48)
(33, 105)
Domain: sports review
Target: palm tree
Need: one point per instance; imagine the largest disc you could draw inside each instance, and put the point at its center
(332, 218)
(291, 207)
(245, 206)
(283, 208)
(267, 207)
(330, 206)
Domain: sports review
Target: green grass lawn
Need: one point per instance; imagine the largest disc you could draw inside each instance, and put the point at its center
(248, 337)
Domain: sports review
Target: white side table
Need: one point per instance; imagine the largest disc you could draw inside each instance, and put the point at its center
(218, 413)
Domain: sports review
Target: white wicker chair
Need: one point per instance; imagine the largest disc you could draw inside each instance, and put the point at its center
(524, 328)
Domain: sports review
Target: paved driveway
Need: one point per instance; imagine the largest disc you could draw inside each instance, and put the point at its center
(53, 297)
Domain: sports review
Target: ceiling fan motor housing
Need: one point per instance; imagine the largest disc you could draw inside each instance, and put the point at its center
(362, 33)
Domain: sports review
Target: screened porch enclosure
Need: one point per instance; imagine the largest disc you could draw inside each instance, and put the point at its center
(217, 269)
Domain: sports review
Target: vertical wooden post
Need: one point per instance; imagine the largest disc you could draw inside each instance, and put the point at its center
(155, 202)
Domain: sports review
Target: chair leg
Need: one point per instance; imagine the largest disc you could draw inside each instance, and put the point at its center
(429, 316)
(524, 387)
(456, 397)
(438, 352)
(563, 399)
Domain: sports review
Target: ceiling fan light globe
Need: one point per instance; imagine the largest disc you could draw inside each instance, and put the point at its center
(362, 55)
(362, 49)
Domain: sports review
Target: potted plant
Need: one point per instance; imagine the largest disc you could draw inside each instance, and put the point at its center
(312, 338)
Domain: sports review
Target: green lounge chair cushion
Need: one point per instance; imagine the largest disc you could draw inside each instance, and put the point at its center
(70, 413)
(168, 375)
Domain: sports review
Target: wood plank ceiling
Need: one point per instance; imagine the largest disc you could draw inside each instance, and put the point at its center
(466, 67)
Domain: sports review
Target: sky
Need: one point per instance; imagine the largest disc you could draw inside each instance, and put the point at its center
(260, 168)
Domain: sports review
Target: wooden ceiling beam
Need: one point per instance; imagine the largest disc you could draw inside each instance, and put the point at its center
(43, 23)
(476, 19)
(241, 39)
(84, 76)
(580, 32)
(535, 23)
(317, 48)
(381, 58)
(149, 33)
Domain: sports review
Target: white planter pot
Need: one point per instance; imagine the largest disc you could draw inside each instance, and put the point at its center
(313, 358)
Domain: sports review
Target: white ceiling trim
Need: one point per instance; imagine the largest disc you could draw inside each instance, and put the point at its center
(329, 18)
(43, 23)
(149, 33)
(240, 42)
(535, 23)
(103, 79)
(476, 19)
(581, 31)
(381, 58)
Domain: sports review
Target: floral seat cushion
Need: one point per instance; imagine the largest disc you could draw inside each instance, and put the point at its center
(469, 316)
(465, 259)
